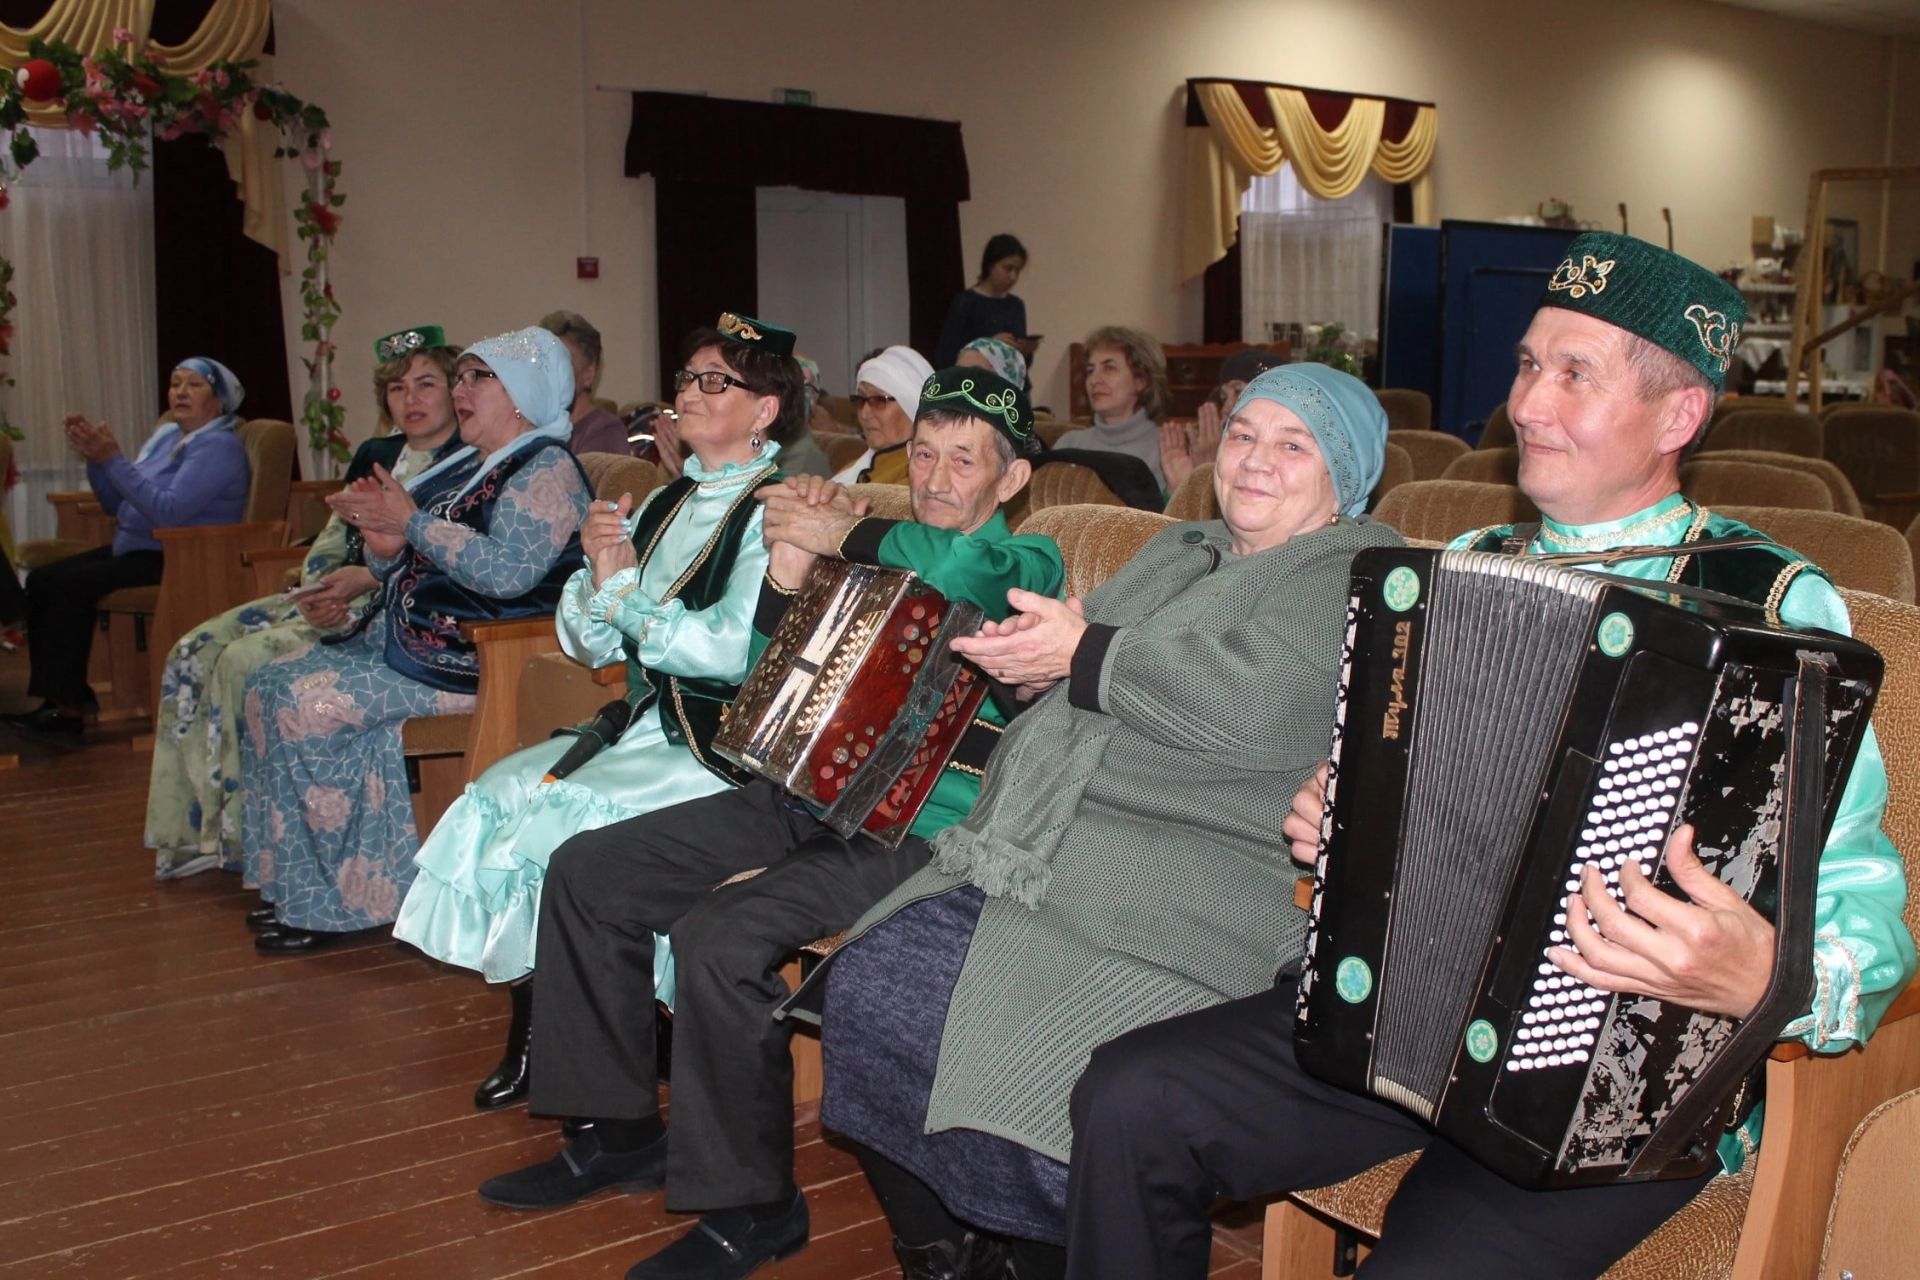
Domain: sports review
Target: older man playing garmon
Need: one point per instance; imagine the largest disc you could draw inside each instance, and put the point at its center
(610, 890)
(1617, 375)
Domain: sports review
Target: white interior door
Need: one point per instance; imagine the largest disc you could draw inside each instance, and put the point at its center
(833, 268)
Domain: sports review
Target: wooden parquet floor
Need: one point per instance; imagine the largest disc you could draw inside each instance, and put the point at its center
(173, 1104)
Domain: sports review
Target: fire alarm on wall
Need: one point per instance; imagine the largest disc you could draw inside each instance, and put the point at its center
(587, 268)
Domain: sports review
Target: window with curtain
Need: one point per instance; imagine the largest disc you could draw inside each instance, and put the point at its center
(81, 243)
(1307, 261)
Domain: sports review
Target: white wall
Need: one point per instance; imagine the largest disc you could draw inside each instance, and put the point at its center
(476, 172)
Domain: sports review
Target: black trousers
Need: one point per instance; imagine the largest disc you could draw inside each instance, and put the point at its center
(60, 617)
(608, 891)
(1173, 1115)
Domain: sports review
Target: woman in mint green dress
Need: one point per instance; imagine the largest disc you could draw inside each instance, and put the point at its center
(670, 588)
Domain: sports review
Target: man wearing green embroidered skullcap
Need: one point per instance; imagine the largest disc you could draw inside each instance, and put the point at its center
(1616, 379)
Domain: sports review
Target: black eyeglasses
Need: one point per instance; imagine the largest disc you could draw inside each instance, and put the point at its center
(471, 378)
(871, 402)
(712, 381)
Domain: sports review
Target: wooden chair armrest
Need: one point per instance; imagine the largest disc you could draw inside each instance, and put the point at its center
(204, 576)
(506, 629)
(243, 537)
(274, 568)
(275, 556)
(68, 497)
(504, 649)
(610, 675)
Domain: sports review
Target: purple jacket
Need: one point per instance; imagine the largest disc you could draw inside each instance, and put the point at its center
(600, 432)
(202, 479)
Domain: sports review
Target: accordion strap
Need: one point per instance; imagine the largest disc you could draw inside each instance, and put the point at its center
(1617, 554)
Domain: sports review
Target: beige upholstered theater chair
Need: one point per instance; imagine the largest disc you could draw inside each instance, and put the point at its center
(1066, 484)
(1775, 430)
(1727, 406)
(1430, 451)
(842, 450)
(1861, 555)
(206, 573)
(1839, 488)
(1407, 409)
(1439, 510)
(1396, 469)
(1195, 498)
(1051, 429)
(1879, 449)
(1095, 540)
(1767, 1222)
(1499, 430)
(885, 501)
(1711, 482)
(444, 753)
(1873, 1228)
(1486, 466)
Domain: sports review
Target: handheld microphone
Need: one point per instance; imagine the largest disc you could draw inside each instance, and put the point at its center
(606, 725)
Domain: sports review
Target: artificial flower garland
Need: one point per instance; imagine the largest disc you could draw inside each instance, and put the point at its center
(125, 98)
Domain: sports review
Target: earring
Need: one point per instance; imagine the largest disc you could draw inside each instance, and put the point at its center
(753, 441)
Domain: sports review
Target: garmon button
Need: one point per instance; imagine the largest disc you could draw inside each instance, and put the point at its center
(1193, 537)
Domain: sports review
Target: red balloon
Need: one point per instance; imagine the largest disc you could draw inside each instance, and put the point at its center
(39, 80)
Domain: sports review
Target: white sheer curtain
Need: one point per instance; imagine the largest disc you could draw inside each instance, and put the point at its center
(81, 244)
(1306, 261)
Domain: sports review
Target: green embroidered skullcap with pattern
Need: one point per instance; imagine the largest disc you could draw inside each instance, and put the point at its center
(408, 341)
(770, 338)
(1673, 302)
(983, 394)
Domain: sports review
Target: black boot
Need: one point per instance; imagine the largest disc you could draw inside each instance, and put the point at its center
(972, 1257)
(508, 1083)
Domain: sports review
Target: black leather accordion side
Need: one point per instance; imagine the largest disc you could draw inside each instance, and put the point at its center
(1500, 723)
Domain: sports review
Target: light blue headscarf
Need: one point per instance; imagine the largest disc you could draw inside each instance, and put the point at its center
(225, 385)
(1004, 357)
(1346, 420)
(537, 373)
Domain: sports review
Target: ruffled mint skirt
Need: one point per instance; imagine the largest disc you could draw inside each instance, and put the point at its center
(475, 900)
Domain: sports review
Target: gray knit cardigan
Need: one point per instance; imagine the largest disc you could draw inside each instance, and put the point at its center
(1172, 889)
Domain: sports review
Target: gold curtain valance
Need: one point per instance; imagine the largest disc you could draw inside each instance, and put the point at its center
(1232, 149)
(233, 31)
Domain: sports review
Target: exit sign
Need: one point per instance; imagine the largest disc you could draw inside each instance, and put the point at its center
(793, 97)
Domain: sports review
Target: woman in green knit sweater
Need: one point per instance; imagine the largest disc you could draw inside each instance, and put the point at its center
(1123, 863)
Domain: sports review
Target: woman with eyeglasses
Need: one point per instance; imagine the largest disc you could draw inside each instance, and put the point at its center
(886, 398)
(491, 531)
(669, 588)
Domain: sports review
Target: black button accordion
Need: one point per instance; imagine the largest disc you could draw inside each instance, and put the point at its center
(1501, 723)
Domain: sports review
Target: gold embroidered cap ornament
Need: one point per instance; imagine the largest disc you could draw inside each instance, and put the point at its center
(986, 395)
(408, 341)
(1674, 303)
(770, 338)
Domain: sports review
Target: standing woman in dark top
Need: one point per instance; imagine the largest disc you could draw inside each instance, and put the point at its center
(988, 309)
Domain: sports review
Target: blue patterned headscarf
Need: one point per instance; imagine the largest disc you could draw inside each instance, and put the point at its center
(225, 385)
(1004, 357)
(1346, 420)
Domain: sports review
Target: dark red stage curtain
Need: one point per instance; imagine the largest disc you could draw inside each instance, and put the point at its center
(708, 154)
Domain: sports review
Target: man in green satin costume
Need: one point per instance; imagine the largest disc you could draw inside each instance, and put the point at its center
(609, 891)
(1616, 379)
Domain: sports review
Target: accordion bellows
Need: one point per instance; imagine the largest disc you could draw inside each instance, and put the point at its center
(1502, 723)
(858, 701)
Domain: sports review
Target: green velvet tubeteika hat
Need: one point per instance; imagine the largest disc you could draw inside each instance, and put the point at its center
(983, 394)
(1673, 302)
(770, 338)
(408, 341)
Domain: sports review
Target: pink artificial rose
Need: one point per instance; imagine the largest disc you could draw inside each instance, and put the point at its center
(122, 36)
(352, 880)
(327, 808)
(310, 160)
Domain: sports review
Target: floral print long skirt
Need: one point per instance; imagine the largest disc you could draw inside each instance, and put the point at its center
(328, 834)
(193, 797)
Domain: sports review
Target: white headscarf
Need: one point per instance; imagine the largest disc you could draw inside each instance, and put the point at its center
(900, 372)
(537, 373)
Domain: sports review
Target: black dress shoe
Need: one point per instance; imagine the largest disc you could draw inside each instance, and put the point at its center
(580, 1170)
(49, 725)
(727, 1244)
(508, 1083)
(971, 1257)
(285, 940)
(261, 919)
